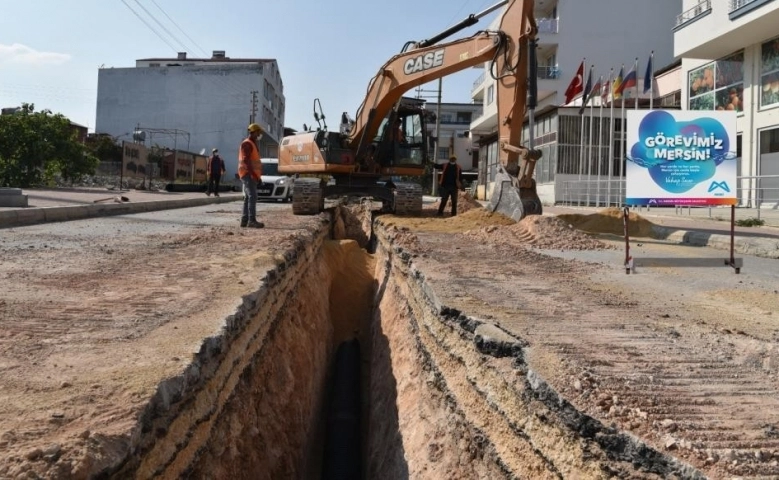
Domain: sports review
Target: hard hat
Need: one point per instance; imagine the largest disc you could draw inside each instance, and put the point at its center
(255, 128)
(214, 150)
(453, 157)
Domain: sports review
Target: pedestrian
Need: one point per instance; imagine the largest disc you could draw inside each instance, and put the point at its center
(214, 169)
(250, 173)
(449, 183)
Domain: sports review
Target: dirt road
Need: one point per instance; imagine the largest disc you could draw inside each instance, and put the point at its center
(682, 353)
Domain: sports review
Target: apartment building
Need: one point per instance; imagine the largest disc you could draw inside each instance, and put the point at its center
(454, 136)
(203, 103)
(609, 33)
(730, 61)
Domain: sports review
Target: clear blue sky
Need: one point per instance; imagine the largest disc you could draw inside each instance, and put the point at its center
(50, 50)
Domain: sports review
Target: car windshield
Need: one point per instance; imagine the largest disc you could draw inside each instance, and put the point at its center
(270, 169)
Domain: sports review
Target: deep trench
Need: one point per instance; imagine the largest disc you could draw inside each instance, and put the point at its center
(421, 390)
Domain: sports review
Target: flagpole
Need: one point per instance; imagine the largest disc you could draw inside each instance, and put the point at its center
(589, 150)
(635, 69)
(623, 130)
(600, 140)
(652, 80)
(581, 141)
(611, 140)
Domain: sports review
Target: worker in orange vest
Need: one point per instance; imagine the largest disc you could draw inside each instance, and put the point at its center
(250, 172)
(450, 181)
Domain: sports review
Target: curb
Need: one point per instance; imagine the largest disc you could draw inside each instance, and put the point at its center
(32, 216)
(759, 247)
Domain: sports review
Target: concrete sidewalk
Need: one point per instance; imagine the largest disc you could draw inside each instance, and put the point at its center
(64, 204)
(698, 230)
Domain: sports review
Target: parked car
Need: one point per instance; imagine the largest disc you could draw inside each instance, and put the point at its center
(274, 186)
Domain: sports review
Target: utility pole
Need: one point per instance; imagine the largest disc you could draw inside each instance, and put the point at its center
(437, 136)
(253, 115)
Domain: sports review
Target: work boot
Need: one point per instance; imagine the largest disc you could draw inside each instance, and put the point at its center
(244, 222)
(254, 224)
(216, 194)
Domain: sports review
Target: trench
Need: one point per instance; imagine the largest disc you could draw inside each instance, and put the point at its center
(424, 391)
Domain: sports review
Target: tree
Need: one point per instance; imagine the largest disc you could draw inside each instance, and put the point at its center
(36, 146)
(104, 148)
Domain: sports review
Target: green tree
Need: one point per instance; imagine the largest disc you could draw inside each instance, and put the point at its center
(104, 148)
(36, 146)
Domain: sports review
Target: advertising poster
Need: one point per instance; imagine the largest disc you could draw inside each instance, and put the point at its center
(135, 158)
(679, 157)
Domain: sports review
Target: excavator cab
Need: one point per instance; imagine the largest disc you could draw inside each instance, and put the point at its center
(401, 148)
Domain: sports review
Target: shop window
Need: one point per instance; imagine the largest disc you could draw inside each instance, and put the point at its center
(718, 85)
(769, 74)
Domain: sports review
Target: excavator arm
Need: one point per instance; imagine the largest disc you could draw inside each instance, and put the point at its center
(507, 48)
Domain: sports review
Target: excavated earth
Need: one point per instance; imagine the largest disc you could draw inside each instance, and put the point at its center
(489, 349)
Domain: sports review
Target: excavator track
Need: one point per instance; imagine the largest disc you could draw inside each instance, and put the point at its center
(408, 199)
(308, 197)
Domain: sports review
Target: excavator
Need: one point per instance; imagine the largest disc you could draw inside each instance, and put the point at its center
(389, 139)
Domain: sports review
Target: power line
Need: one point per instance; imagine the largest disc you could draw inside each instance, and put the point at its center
(162, 26)
(180, 29)
(150, 27)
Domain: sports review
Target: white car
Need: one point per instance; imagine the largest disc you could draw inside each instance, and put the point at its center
(274, 186)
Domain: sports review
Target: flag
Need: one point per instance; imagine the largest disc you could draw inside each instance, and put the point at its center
(586, 94)
(604, 95)
(628, 81)
(648, 75)
(575, 86)
(616, 92)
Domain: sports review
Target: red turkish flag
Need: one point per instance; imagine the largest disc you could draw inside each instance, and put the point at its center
(576, 86)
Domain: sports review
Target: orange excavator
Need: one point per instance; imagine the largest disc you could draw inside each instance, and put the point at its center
(389, 137)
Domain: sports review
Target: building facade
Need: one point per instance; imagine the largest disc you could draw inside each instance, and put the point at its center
(454, 137)
(194, 104)
(608, 33)
(730, 61)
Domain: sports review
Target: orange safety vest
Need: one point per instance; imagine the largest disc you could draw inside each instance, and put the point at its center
(253, 160)
(443, 174)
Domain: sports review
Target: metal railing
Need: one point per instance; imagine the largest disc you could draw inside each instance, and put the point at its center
(477, 83)
(548, 73)
(547, 25)
(704, 6)
(736, 4)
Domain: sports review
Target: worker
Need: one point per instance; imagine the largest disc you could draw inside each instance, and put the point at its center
(450, 181)
(397, 132)
(214, 169)
(250, 173)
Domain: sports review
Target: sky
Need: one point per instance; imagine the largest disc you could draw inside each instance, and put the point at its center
(51, 50)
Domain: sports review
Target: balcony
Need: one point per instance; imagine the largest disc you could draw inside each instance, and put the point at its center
(477, 83)
(548, 73)
(702, 8)
(736, 8)
(547, 25)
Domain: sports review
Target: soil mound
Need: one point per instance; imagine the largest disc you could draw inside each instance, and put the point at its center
(465, 203)
(610, 220)
(540, 232)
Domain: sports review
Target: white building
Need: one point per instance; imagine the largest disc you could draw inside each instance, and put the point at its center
(454, 138)
(205, 103)
(609, 33)
(730, 60)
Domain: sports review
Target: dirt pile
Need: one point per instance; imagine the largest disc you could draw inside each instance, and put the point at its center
(610, 220)
(540, 232)
(473, 218)
(465, 203)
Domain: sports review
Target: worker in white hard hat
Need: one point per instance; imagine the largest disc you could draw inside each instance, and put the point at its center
(215, 168)
(250, 172)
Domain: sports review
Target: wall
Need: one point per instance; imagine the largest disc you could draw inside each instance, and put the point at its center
(211, 102)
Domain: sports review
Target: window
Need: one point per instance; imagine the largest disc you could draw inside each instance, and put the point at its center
(718, 85)
(490, 94)
(443, 153)
(769, 74)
